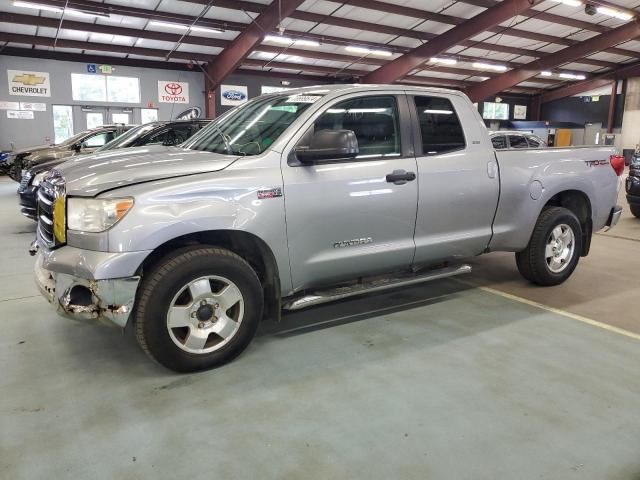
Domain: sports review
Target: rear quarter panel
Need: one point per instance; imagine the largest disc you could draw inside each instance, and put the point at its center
(530, 178)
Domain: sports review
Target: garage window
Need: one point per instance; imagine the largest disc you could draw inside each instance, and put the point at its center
(100, 88)
(439, 126)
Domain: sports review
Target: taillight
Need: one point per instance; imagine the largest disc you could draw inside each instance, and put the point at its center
(617, 162)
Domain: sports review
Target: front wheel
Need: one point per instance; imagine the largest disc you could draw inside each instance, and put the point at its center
(15, 172)
(198, 308)
(635, 210)
(554, 248)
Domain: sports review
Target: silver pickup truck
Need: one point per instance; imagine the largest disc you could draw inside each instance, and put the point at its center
(303, 197)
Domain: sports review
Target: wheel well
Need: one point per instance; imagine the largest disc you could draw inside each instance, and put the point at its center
(578, 202)
(251, 248)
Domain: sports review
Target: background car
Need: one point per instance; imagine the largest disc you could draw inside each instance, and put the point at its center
(632, 185)
(506, 140)
(155, 133)
(83, 142)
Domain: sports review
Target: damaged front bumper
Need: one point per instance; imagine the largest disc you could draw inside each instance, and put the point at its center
(80, 298)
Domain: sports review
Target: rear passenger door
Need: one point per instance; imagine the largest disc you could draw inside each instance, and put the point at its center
(345, 217)
(458, 183)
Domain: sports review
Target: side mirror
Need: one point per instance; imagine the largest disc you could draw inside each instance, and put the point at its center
(328, 145)
(78, 146)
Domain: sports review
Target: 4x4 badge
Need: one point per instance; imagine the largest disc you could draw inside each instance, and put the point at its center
(269, 193)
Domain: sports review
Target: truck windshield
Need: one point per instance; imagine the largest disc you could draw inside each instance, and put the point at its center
(252, 128)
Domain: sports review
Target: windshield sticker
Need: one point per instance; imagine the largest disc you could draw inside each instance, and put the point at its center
(303, 99)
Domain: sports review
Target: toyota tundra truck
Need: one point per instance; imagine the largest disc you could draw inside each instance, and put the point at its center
(303, 197)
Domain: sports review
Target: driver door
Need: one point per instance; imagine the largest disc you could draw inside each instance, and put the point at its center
(344, 217)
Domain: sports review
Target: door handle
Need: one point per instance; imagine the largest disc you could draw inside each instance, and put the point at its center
(400, 177)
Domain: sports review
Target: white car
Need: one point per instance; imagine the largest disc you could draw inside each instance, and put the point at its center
(509, 140)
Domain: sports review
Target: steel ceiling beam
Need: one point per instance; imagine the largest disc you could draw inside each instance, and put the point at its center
(621, 73)
(22, 19)
(137, 12)
(451, 20)
(492, 86)
(401, 66)
(241, 46)
(416, 34)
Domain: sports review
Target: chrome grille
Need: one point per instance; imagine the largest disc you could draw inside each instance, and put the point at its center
(26, 178)
(49, 191)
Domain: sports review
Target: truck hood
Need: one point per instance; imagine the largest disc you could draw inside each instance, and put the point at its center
(89, 175)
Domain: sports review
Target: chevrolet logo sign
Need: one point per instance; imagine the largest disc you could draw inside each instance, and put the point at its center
(28, 79)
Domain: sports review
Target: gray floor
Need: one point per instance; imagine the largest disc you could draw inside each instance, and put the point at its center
(437, 382)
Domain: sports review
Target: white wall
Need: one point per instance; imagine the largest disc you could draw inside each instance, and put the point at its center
(24, 133)
(631, 118)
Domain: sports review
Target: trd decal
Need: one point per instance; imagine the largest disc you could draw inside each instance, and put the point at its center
(596, 163)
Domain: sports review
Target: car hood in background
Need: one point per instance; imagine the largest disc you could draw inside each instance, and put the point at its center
(90, 175)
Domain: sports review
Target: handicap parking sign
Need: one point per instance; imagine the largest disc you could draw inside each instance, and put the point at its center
(92, 68)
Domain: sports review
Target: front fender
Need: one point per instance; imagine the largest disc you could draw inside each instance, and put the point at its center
(167, 209)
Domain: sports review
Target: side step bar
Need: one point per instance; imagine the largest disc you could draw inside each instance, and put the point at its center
(330, 295)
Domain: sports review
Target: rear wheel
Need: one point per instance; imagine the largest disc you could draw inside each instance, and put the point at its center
(554, 248)
(198, 308)
(635, 210)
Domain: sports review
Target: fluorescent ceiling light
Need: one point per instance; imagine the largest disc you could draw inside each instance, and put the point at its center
(278, 39)
(180, 26)
(195, 28)
(177, 26)
(490, 66)
(546, 74)
(439, 112)
(614, 13)
(306, 43)
(357, 110)
(445, 61)
(571, 3)
(571, 76)
(37, 6)
(367, 51)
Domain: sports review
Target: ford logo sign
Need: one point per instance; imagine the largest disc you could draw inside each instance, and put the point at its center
(234, 95)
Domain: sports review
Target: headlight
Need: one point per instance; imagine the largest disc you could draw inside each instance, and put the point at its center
(37, 180)
(95, 214)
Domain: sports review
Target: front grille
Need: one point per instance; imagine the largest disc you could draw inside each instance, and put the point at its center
(24, 181)
(48, 193)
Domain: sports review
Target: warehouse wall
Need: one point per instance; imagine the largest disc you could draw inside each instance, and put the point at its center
(24, 133)
(254, 84)
(631, 120)
(576, 110)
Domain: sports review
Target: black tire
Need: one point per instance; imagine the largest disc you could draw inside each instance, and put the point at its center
(167, 278)
(15, 172)
(635, 210)
(532, 261)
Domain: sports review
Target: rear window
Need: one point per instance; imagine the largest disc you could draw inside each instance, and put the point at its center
(499, 142)
(518, 141)
(440, 127)
(534, 142)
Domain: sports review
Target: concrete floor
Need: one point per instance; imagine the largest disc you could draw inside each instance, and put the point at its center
(439, 381)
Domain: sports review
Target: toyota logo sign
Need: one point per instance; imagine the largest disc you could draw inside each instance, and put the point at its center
(173, 92)
(173, 88)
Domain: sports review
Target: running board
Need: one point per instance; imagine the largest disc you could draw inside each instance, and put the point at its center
(330, 295)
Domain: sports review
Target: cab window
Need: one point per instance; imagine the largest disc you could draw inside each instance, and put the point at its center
(374, 120)
(440, 126)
